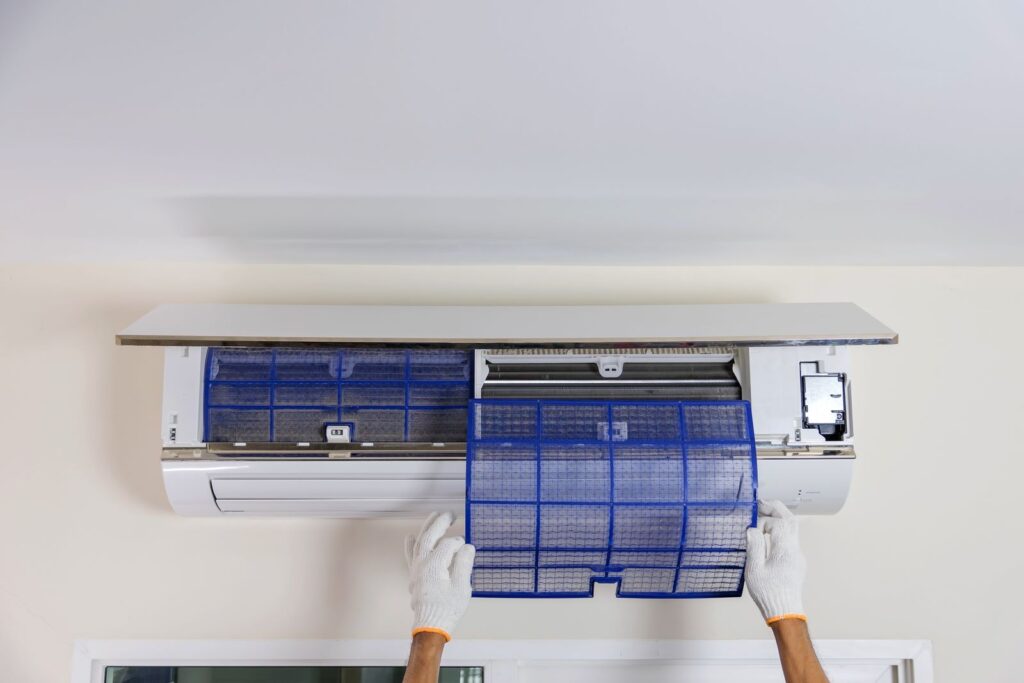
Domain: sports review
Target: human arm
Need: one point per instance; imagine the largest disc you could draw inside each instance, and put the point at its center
(799, 662)
(424, 658)
(439, 586)
(775, 576)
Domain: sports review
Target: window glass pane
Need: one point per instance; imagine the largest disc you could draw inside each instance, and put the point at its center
(280, 674)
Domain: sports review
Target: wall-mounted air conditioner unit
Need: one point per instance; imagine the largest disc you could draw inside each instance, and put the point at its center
(361, 411)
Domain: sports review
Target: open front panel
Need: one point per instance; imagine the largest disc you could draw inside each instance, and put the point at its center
(289, 395)
(654, 496)
(507, 326)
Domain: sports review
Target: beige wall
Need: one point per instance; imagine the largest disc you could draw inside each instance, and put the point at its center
(927, 547)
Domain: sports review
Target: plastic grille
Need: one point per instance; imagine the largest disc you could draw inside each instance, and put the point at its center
(289, 395)
(653, 496)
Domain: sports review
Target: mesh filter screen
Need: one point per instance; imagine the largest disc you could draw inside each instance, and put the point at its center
(289, 394)
(654, 496)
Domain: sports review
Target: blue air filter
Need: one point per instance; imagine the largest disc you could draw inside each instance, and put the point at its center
(290, 394)
(653, 496)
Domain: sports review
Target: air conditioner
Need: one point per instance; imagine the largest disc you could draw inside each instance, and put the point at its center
(360, 411)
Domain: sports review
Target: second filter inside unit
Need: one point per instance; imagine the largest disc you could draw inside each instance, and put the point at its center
(653, 496)
(289, 395)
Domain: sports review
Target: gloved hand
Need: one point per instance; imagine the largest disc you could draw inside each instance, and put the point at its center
(439, 571)
(775, 565)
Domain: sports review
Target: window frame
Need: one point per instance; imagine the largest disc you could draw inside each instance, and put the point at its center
(904, 661)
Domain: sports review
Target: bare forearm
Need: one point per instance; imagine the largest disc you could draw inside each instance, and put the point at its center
(424, 658)
(799, 662)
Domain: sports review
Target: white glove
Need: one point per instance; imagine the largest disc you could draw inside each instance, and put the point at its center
(775, 565)
(439, 571)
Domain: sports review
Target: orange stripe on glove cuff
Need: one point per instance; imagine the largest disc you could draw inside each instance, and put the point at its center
(801, 617)
(431, 629)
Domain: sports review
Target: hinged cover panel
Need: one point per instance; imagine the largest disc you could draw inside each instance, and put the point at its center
(496, 326)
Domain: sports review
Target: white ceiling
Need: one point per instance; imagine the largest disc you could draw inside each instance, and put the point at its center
(579, 131)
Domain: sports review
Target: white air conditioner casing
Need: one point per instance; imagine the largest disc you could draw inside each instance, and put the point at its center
(314, 488)
(789, 361)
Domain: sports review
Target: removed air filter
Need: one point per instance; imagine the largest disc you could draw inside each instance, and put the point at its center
(653, 496)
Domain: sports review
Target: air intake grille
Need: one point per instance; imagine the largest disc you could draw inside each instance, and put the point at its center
(288, 395)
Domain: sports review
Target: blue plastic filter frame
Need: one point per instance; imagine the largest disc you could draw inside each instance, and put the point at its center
(653, 496)
(288, 395)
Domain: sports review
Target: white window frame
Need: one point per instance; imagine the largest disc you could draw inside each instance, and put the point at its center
(903, 661)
